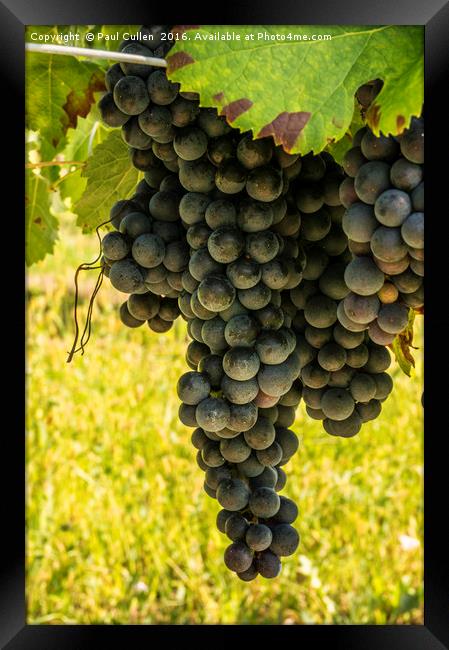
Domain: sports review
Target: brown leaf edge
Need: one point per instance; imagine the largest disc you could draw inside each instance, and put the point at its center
(403, 343)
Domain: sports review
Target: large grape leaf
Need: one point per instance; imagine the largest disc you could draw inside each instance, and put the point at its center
(58, 90)
(110, 177)
(302, 91)
(41, 227)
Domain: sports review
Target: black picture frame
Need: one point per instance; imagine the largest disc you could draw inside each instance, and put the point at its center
(434, 14)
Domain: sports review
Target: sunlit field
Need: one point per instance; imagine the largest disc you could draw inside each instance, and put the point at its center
(119, 529)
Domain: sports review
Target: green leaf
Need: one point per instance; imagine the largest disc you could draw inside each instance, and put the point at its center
(110, 177)
(41, 227)
(302, 91)
(402, 344)
(338, 149)
(59, 89)
(80, 143)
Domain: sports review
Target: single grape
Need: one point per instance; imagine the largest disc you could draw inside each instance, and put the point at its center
(288, 441)
(264, 502)
(268, 564)
(344, 428)
(361, 309)
(138, 69)
(127, 319)
(332, 357)
(347, 192)
(235, 450)
(241, 363)
(357, 357)
(261, 435)
(143, 306)
(388, 293)
(243, 416)
(384, 386)
(238, 557)
(316, 226)
(236, 527)
(272, 455)
(110, 113)
(192, 207)
(337, 404)
(233, 494)
(212, 125)
(230, 177)
(197, 175)
(378, 147)
(387, 245)
(212, 367)
(256, 297)
(264, 184)
(212, 414)
(372, 179)
(135, 137)
(262, 247)
(190, 143)
(226, 245)
(258, 537)
(220, 149)
(407, 282)
(126, 276)
(183, 111)
(288, 511)
(405, 175)
(198, 235)
(254, 216)
(379, 359)
(241, 331)
(212, 333)
(285, 540)
(392, 207)
(353, 160)
(161, 90)
(320, 311)
(130, 95)
(201, 265)
(393, 318)
(359, 222)
(412, 230)
(186, 414)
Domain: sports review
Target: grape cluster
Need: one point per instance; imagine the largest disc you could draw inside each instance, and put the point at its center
(243, 389)
(384, 222)
(342, 371)
(293, 275)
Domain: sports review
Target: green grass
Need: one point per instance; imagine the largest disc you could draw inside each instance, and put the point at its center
(119, 529)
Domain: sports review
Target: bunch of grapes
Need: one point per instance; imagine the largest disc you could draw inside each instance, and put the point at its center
(384, 222)
(264, 255)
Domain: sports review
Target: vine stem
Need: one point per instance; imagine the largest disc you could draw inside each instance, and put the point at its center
(69, 50)
(53, 163)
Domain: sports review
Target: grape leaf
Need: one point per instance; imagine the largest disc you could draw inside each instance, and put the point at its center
(402, 344)
(339, 148)
(110, 177)
(80, 143)
(41, 227)
(302, 91)
(59, 88)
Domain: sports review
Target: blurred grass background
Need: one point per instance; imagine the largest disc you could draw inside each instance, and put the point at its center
(119, 529)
